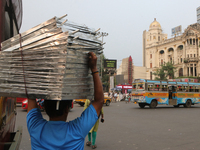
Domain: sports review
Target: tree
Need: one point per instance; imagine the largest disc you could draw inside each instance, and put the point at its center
(160, 73)
(102, 57)
(166, 70)
(105, 82)
(170, 69)
(105, 76)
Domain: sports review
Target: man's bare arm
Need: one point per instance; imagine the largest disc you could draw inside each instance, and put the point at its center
(98, 89)
(31, 104)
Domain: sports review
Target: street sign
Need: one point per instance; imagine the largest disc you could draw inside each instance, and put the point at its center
(110, 63)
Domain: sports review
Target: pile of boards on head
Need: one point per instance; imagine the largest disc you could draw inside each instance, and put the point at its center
(49, 61)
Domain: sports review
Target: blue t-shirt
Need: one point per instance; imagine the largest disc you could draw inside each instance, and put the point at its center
(60, 135)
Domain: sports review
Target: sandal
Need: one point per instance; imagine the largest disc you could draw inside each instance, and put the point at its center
(88, 143)
(94, 146)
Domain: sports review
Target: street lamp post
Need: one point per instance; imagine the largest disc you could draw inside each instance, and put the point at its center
(102, 34)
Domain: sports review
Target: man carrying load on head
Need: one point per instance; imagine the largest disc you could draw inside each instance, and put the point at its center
(57, 133)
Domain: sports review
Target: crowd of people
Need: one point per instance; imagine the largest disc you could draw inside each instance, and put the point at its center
(118, 96)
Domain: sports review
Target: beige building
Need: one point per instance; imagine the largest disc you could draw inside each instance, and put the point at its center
(137, 71)
(126, 69)
(182, 50)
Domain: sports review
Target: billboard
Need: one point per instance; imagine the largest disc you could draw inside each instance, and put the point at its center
(110, 63)
(176, 30)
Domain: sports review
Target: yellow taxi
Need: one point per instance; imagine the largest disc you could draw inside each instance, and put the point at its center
(81, 102)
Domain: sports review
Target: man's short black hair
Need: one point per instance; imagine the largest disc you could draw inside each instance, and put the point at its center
(50, 107)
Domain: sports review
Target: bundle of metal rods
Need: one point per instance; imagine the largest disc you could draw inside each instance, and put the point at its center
(49, 61)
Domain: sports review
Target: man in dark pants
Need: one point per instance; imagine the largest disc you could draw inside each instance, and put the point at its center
(57, 133)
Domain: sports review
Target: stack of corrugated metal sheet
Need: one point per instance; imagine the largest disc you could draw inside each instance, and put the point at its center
(49, 61)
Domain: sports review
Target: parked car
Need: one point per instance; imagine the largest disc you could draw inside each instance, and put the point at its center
(81, 102)
(25, 104)
(19, 100)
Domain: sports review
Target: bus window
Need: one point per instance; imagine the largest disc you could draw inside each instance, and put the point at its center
(185, 88)
(150, 87)
(179, 88)
(134, 87)
(164, 87)
(157, 87)
(191, 88)
(140, 86)
(197, 88)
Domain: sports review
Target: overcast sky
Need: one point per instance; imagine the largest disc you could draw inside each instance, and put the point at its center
(123, 20)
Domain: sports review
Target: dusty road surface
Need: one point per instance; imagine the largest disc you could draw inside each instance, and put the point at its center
(128, 127)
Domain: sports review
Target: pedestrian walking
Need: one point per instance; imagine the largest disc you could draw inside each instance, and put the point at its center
(127, 98)
(118, 97)
(93, 132)
(115, 97)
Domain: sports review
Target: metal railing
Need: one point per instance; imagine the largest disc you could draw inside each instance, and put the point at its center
(187, 60)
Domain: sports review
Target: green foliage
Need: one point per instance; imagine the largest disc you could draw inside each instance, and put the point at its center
(105, 76)
(160, 74)
(166, 70)
(105, 82)
(102, 57)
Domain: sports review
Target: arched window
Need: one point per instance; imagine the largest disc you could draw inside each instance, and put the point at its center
(180, 72)
(162, 52)
(170, 50)
(180, 47)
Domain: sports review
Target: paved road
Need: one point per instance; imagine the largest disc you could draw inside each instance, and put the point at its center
(127, 127)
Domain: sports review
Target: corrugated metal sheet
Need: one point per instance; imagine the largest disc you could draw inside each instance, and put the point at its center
(51, 60)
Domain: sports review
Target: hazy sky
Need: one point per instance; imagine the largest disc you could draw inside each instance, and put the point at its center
(123, 20)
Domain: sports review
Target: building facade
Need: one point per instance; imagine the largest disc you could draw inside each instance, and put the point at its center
(183, 51)
(198, 15)
(119, 79)
(126, 69)
(127, 72)
(139, 72)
